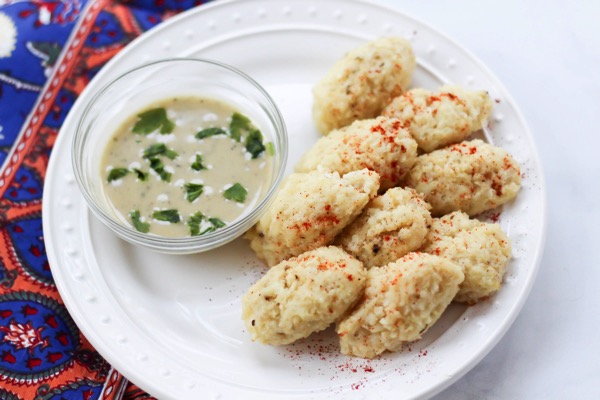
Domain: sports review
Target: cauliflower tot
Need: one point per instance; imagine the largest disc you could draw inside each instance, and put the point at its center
(482, 249)
(390, 226)
(380, 144)
(471, 176)
(362, 83)
(302, 295)
(309, 211)
(437, 119)
(401, 301)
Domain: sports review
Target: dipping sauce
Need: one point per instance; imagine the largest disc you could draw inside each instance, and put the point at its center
(186, 166)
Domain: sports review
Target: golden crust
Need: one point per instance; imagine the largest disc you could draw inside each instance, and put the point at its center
(482, 249)
(309, 211)
(437, 119)
(362, 83)
(401, 301)
(470, 176)
(302, 295)
(380, 145)
(390, 226)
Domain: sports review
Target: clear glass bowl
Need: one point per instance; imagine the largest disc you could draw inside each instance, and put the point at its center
(140, 88)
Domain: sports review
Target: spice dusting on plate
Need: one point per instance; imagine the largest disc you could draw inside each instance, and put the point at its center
(185, 166)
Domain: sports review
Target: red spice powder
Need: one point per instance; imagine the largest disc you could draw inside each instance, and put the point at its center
(494, 217)
(497, 188)
(328, 219)
(431, 99)
(306, 225)
(396, 278)
(451, 96)
(377, 128)
(325, 266)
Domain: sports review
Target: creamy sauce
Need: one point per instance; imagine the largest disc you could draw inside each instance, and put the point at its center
(224, 160)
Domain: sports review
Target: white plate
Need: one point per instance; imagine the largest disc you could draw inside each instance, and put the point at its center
(171, 324)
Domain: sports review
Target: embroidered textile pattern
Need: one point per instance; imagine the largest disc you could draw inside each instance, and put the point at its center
(49, 51)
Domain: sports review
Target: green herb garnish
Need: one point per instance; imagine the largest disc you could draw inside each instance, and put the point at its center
(151, 120)
(270, 148)
(208, 230)
(141, 175)
(159, 149)
(236, 193)
(143, 227)
(117, 173)
(171, 216)
(159, 168)
(193, 191)
(254, 143)
(195, 222)
(238, 123)
(198, 164)
(216, 222)
(204, 133)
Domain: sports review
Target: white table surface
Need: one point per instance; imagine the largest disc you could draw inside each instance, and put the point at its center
(547, 54)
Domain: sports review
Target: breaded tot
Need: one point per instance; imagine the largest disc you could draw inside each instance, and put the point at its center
(437, 119)
(362, 83)
(380, 144)
(302, 295)
(309, 211)
(390, 226)
(482, 249)
(401, 301)
(470, 176)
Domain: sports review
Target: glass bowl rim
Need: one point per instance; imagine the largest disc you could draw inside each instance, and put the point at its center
(189, 243)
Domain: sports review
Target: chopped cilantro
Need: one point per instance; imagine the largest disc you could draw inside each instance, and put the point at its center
(117, 173)
(204, 133)
(171, 216)
(238, 123)
(270, 148)
(254, 143)
(208, 230)
(195, 223)
(216, 222)
(159, 149)
(193, 191)
(141, 175)
(236, 193)
(159, 168)
(153, 119)
(138, 224)
(198, 164)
